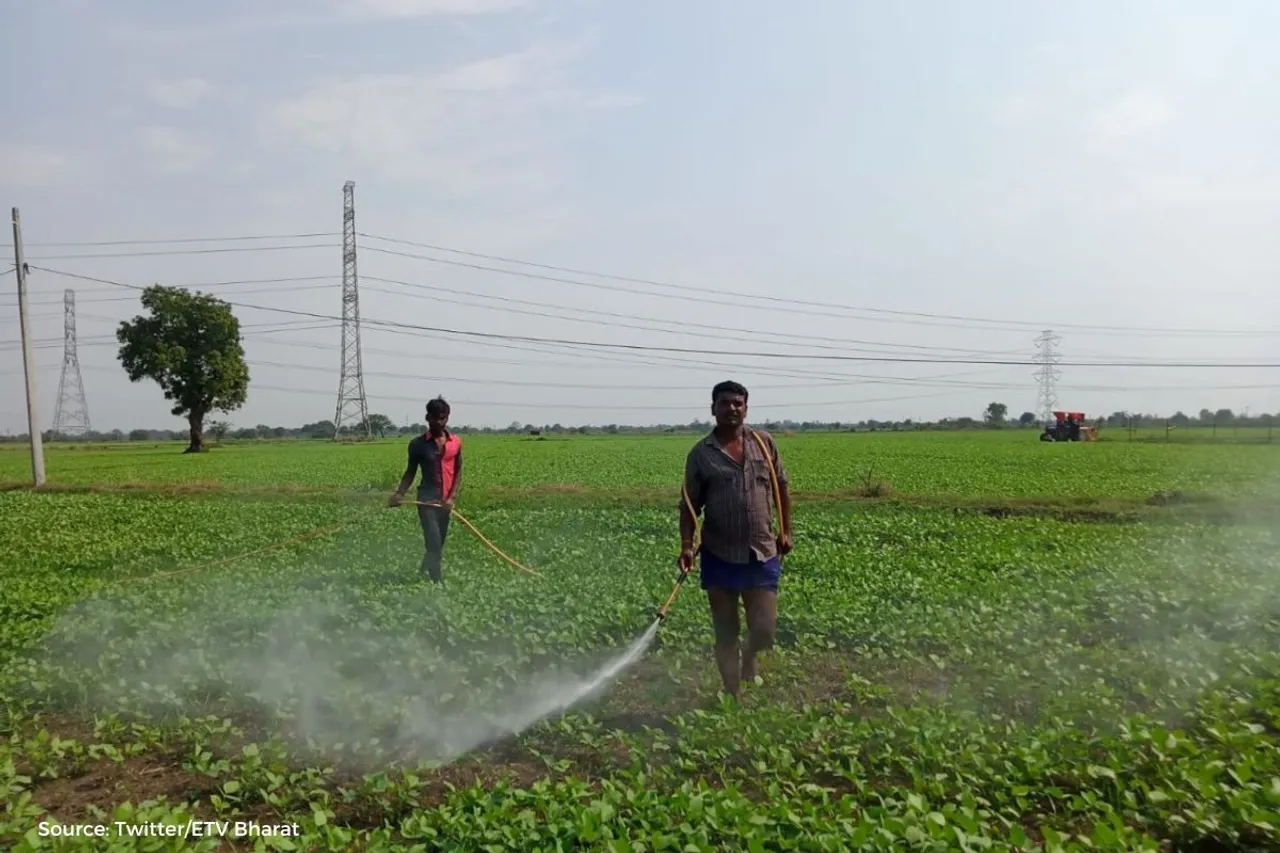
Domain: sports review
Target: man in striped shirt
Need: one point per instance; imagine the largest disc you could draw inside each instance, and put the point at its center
(729, 481)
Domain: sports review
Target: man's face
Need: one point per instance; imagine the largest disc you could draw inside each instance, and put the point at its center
(437, 421)
(730, 409)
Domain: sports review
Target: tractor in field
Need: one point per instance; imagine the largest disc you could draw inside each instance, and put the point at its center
(1068, 426)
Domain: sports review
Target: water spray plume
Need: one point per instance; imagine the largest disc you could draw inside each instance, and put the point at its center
(571, 694)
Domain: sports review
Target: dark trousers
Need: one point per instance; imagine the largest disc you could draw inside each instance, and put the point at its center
(435, 528)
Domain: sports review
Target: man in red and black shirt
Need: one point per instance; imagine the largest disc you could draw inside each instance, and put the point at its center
(438, 453)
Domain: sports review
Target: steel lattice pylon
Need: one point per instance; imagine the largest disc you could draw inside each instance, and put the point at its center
(352, 407)
(1047, 374)
(71, 415)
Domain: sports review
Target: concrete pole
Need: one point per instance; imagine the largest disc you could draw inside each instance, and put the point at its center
(28, 356)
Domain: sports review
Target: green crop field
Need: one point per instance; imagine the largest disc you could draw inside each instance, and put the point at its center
(984, 643)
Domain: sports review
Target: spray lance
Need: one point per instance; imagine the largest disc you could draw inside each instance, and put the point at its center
(684, 573)
(697, 526)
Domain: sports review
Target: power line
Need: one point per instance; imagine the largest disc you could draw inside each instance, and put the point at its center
(846, 343)
(110, 340)
(709, 330)
(668, 349)
(415, 285)
(173, 240)
(174, 252)
(943, 380)
(784, 301)
(834, 380)
(834, 383)
(603, 408)
(196, 285)
(679, 291)
(784, 308)
(594, 358)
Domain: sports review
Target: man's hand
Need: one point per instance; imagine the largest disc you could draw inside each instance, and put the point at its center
(396, 499)
(784, 544)
(686, 559)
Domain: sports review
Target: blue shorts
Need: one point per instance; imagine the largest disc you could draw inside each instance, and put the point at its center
(720, 574)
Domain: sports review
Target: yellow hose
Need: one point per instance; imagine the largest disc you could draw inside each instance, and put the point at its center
(773, 476)
(494, 548)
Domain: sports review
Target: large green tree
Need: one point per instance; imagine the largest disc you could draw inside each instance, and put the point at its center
(190, 346)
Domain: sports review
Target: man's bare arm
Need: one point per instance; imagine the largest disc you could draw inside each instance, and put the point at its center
(688, 519)
(457, 477)
(687, 527)
(411, 469)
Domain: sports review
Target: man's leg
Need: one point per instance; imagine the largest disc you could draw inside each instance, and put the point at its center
(724, 619)
(442, 521)
(762, 621)
(432, 539)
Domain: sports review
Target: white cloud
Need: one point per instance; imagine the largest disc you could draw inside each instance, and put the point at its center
(303, 14)
(35, 166)
(1258, 195)
(466, 131)
(171, 149)
(1130, 116)
(1016, 109)
(405, 9)
(180, 94)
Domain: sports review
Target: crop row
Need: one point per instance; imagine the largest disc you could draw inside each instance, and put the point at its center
(1009, 464)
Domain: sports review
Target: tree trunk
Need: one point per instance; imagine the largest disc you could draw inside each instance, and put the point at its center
(196, 420)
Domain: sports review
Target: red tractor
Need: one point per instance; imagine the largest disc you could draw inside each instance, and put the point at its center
(1068, 426)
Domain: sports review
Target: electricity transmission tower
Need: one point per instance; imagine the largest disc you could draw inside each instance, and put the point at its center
(71, 415)
(352, 406)
(1047, 374)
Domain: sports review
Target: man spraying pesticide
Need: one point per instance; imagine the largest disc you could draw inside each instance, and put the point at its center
(438, 453)
(734, 477)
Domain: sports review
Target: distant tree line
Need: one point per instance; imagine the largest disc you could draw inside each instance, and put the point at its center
(995, 416)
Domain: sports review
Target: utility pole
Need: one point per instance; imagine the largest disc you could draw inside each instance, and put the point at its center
(28, 357)
(1047, 374)
(351, 399)
(71, 415)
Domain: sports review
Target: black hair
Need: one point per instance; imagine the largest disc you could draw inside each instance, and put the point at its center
(727, 387)
(438, 406)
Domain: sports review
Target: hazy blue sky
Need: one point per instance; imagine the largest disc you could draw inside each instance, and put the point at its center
(1064, 165)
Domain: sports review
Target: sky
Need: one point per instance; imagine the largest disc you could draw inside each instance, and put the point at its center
(829, 201)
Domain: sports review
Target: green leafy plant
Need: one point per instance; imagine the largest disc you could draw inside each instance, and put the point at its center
(190, 346)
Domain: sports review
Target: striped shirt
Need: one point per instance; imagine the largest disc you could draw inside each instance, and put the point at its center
(736, 501)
